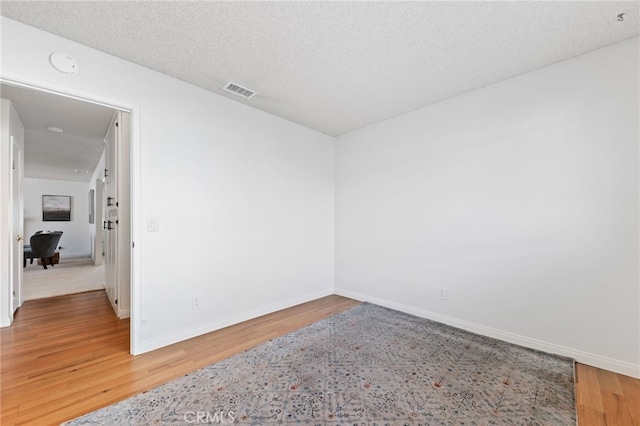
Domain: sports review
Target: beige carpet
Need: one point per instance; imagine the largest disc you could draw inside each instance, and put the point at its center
(74, 275)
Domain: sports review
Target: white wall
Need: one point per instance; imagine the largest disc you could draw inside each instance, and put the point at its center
(520, 198)
(76, 238)
(244, 199)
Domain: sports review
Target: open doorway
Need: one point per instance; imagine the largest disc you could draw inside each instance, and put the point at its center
(65, 154)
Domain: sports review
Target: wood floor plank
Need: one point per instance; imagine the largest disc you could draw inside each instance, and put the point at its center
(631, 393)
(589, 396)
(67, 356)
(590, 417)
(616, 409)
(609, 382)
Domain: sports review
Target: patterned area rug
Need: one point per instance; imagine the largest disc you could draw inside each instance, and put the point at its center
(365, 366)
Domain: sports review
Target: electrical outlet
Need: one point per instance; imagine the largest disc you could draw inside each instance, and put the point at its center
(195, 302)
(442, 293)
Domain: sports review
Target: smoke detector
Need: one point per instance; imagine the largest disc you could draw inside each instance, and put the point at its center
(238, 90)
(64, 63)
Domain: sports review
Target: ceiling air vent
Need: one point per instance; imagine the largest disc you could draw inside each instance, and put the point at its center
(236, 89)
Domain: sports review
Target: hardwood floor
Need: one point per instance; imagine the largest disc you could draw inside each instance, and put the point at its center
(69, 355)
(606, 398)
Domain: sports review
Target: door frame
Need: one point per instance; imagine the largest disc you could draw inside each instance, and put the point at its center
(17, 226)
(135, 192)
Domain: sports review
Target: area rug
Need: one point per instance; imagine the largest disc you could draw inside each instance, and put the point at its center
(71, 275)
(365, 366)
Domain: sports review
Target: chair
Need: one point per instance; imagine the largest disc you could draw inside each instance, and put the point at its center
(42, 246)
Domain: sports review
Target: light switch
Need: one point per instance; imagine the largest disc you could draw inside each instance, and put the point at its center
(153, 224)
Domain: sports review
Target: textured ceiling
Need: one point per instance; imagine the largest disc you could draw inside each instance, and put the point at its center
(49, 155)
(337, 66)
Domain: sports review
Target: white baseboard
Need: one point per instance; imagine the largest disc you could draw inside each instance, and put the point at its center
(5, 322)
(622, 367)
(74, 256)
(120, 313)
(225, 322)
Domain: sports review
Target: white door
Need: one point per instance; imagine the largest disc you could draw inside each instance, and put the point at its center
(117, 212)
(16, 225)
(111, 214)
(98, 249)
(124, 214)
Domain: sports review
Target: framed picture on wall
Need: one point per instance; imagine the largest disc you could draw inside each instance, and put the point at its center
(56, 208)
(91, 206)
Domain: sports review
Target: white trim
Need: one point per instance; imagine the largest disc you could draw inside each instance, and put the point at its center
(120, 313)
(232, 320)
(12, 253)
(135, 166)
(610, 364)
(124, 313)
(79, 97)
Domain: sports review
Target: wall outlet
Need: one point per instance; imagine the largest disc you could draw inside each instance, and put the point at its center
(195, 302)
(442, 293)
